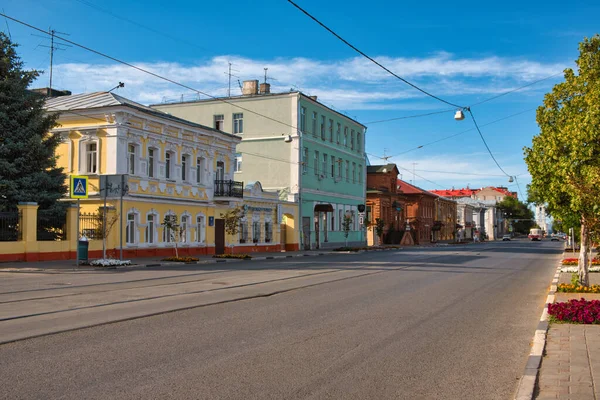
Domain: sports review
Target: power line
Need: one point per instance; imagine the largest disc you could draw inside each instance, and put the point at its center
(425, 179)
(485, 143)
(453, 135)
(151, 73)
(409, 116)
(370, 58)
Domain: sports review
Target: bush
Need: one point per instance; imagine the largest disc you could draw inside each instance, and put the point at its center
(180, 259)
(578, 311)
(236, 256)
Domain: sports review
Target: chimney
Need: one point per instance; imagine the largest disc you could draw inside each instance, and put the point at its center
(313, 97)
(250, 88)
(265, 88)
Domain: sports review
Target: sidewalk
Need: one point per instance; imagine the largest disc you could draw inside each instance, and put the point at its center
(571, 365)
(64, 265)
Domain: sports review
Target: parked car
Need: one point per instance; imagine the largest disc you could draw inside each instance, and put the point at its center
(554, 239)
(505, 237)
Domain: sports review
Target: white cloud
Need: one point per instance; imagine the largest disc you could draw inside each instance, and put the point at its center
(350, 84)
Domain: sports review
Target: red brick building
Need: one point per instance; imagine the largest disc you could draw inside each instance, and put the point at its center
(384, 201)
(420, 210)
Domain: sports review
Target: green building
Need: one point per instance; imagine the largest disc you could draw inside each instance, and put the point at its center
(312, 154)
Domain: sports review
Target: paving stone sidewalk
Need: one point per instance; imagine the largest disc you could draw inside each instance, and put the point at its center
(571, 367)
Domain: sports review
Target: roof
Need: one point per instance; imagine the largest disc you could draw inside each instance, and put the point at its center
(89, 101)
(373, 169)
(455, 193)
(255, 97)
(407, 188)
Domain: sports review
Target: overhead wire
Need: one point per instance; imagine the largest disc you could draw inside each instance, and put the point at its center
(370, 58)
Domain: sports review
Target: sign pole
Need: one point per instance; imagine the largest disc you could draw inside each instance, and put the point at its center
(121, 219)
(77, 235)
(104, 219)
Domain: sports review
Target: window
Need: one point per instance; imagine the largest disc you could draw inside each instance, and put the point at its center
(338, 133)
(360, 169)
(200, 226)
(302, 119)
(324, 164)
(340, 168)
(243, 232)
(219, 122)
(341, 219)
(151, 162)
(238, 123)
(322, 127)
(256, 231)
(199, 170)
(314, 123)
(332, 166)
(168, 165)
(316, 163)
(91, 160)
(268, 231)
(184, 167)
(331, 130)
(332, 222)
(183, 228)
(237, 167)
(131, 159)
(353, 172)
(347, 171)
(305, 160)
(167, 233)
(352, 139)
(325, 236)
(358, 143)
(130, 229)
(345, 136)
(150, 228)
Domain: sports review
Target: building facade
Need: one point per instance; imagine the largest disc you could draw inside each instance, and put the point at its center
(298, 146)
(444, 224)
(420, 210)
(170, 166)
(385, 202)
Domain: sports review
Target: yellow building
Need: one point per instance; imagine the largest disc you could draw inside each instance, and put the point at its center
(172, 167)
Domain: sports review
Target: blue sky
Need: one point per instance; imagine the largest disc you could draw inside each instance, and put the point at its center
(464, 52)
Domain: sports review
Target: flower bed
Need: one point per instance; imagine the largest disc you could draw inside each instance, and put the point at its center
(108, 262)
(236, 256)
(572, 288)
(180, 259)
(576, 269)
(578, 311)
(575, 261)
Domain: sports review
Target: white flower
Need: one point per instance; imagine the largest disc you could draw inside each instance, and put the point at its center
(109, 262)
(574, 268)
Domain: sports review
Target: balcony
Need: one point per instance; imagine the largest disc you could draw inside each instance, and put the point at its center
(229, 189)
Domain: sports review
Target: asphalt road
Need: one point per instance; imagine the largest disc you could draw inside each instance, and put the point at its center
(448, 323)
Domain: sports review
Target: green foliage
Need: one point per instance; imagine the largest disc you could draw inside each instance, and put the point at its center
(379, 225)
(564, 160)
(232, 220)
(28, 170)
(174, 230)
(346, 225)
(520, 216)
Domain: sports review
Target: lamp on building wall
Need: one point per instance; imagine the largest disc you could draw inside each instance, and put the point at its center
(288, 139)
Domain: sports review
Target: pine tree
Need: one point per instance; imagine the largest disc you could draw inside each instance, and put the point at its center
(28, 170)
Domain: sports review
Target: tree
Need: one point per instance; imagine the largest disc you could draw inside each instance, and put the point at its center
(28, 170)
(173, 230)
(232, 220)
(346, 225)
(564, 160)
(379, 225)
(518, 214)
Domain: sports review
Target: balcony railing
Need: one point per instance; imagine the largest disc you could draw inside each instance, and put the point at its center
(229, 189)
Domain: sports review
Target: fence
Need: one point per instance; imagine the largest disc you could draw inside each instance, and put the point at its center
(11, 224)
(51, 226)
(90, 225)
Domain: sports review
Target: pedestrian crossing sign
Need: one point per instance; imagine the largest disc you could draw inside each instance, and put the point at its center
(79, 187)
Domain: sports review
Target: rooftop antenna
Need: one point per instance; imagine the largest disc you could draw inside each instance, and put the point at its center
(385, 158)
(120, 85)
(229, 74)
(413, 179)
(240, 85)
(53, 47)
(7, 27)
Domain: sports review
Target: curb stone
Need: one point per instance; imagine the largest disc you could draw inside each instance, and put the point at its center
(528, 381)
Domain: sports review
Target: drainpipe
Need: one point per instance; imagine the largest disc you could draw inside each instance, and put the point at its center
(300, 154)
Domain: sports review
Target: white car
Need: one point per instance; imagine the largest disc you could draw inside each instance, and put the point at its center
(505, 237)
